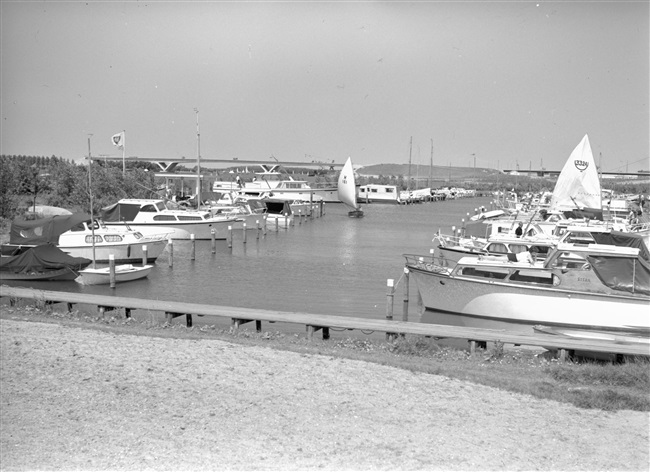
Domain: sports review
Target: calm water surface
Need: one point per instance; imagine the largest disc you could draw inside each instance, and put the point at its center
(330, 265)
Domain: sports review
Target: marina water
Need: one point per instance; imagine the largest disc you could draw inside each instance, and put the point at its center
(332, 265)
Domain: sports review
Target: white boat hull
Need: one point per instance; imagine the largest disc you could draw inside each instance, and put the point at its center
(123, 253)
(181, 230)
(489, 304)
(123, 273)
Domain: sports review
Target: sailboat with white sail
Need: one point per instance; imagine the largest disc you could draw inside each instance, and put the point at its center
(578, 186)
(347, 190)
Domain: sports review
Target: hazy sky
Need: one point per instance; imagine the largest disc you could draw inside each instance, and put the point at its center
(499, 82)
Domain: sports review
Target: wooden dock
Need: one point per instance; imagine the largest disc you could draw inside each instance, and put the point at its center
(315, 322)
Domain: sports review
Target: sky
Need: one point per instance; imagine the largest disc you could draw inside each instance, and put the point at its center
(492, 84)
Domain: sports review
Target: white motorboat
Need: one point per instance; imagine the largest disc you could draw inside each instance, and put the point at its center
(347, 189)
(593, 287)
(153, 216)
(102, 276)
(74, 235)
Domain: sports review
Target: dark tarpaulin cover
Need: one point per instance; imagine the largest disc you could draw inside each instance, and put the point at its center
(40, 259)
(44, 230)
(578, 213)
(119, 212)
(627, 274)
(278, 207)
(619, 238)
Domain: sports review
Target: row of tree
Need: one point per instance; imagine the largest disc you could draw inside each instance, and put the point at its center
(28, 181)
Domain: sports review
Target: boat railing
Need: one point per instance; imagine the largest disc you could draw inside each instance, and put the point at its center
(429, 263)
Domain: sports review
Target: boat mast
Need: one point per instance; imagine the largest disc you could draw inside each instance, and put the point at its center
(198, 165)
(90, 193)
(431, 166)
(408, 184)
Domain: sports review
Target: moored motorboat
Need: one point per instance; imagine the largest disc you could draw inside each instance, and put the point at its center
(41, 263)
(579, 286)
(74, 235)
(153, 216)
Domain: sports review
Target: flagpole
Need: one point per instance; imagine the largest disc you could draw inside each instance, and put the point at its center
(123, 152)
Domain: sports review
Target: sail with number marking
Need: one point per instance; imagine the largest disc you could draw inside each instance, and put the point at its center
(578, 186)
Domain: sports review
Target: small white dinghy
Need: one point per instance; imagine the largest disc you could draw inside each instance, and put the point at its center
(102, 276)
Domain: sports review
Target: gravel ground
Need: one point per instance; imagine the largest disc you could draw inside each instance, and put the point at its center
(81, 399)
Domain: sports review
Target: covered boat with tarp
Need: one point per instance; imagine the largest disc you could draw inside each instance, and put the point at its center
(43, 230)
(44, 262)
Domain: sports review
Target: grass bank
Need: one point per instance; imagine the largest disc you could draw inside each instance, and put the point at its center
(584, 383)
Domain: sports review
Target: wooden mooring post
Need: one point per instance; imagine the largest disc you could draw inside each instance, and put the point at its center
(405, 308)
(193, 250)
(390, 296)
(111, 268)
(145, 256)
(170, 245)
(213, 238)
(229, 237)
(244, 233)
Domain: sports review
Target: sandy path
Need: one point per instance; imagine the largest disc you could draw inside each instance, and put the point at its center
(80, 399)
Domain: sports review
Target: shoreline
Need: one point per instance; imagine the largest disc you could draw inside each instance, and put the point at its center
(82, 398)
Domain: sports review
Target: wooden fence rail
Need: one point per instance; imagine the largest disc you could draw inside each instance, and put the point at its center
(315, 322)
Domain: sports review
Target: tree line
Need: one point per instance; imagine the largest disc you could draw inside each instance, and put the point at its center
(26, 181)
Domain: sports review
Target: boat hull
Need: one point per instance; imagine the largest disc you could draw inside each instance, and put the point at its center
(123, 273)
(181, 230)
(122, 253)
(488, 304)
(51, 275)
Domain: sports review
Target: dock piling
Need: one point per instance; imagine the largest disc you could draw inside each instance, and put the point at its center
(193, 251)
(170, 245)
(111, 268)
(244, 233)
(229, 236)
(405, 311)
(390, 296)
(213, 237)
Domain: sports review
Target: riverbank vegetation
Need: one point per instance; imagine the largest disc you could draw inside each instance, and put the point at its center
(584, 383)
(26, 181)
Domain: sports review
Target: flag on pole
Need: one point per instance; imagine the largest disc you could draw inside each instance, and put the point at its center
(118, 139)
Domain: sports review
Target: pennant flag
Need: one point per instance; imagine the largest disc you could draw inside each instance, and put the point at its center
(118, 139)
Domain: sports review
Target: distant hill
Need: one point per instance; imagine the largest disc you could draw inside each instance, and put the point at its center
(422, 171)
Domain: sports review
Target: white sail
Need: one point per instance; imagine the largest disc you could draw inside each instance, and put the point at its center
(347, 188)
(578, 185)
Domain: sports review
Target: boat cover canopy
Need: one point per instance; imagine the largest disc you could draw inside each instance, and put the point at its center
(627, 274)
(119, 212)
(41, 259)
(278, 207)
(44, 230)
(626, 239)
